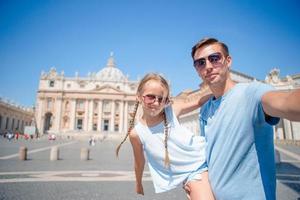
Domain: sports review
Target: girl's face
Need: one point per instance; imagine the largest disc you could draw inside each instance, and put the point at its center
(153, 98)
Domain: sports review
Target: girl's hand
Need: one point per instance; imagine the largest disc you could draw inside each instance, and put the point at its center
(139, 189)
(187, 191)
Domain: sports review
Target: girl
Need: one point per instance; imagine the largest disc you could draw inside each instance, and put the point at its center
(174, 154)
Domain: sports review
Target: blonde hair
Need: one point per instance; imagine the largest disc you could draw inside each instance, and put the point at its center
(164, 83)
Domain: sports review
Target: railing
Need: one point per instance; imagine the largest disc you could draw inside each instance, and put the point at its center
(287, 142)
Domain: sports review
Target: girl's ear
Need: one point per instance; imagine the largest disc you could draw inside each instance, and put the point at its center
(138, 98)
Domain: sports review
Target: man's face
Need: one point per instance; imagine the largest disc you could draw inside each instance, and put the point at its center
(212, 65)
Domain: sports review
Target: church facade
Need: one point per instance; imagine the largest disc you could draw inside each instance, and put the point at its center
(98, 103)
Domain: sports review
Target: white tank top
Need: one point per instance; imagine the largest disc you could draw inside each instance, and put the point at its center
(186, 152)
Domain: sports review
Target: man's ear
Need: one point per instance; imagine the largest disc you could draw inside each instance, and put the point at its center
(229, 61)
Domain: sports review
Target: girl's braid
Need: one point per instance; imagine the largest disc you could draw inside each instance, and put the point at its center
(131, 124)
(167, 159)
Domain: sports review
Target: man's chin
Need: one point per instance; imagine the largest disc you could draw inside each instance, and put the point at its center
(213, 82)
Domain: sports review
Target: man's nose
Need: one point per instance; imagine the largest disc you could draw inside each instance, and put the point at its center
(208, 68)
(208, 65)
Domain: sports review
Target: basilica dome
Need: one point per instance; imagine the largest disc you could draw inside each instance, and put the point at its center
(111, 72)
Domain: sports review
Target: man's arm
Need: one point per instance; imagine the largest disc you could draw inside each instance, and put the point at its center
(282, 104)
(187, 104)
(139, 161)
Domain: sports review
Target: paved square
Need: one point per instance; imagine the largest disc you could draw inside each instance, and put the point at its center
(103, 176)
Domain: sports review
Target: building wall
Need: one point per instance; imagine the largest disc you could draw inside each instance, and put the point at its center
(14, 118)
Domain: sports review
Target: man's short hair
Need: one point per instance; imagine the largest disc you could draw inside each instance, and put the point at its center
(209, 41)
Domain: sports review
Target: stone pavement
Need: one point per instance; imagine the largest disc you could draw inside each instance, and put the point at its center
(288, 172)
(103, 176)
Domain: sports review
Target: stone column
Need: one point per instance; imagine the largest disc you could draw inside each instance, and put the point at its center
(58, 114)
(287, 129)
(86, 115)
(99, 125)
(22, 124)
(40, 118)
(126, 116)
(7, 122)
(275, 133)
(296, 130)
(112, 117)
(13, 124)
(293, 133)
(73, 114)
(280, 129)
(1, 122)
(91, 115)
(121, 117)
(23, 153)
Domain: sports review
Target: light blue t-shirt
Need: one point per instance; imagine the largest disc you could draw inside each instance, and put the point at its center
(186, 152)
(240, 149)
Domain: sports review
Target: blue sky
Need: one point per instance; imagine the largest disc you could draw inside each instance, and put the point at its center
(145, 36)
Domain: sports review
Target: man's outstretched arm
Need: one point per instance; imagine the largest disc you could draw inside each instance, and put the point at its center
(282, 104)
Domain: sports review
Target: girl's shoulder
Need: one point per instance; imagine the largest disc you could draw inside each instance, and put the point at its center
(171, 115)
(133, 133)
(133, 136)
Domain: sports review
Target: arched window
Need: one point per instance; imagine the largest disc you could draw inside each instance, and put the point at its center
(51, 83)
(80, 104)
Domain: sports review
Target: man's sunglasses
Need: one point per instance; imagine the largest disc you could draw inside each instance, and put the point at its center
(151, 98)
(214, 59)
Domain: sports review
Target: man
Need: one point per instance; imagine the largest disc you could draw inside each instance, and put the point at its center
(237, 124)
